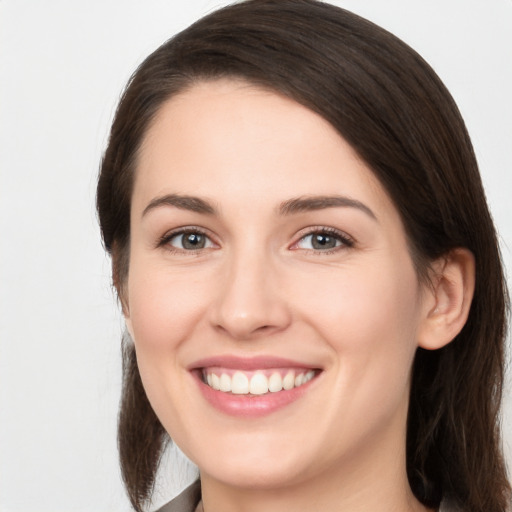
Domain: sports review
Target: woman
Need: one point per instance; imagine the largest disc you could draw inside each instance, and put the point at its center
(308, 270)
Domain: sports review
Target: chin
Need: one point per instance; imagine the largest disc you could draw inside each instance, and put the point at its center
(262, 464)
(257, 475)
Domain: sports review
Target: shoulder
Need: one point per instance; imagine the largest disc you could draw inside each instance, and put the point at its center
(186, 501)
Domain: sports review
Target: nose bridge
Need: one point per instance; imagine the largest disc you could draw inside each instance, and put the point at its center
(249, 301)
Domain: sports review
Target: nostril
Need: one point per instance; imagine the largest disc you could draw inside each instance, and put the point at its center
(243, 312)
(246, 332)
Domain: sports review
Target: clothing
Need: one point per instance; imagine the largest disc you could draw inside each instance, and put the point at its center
(189, 499)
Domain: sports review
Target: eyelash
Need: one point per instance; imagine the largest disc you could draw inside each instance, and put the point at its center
(343, 238)
(165, 240)
(346, 242)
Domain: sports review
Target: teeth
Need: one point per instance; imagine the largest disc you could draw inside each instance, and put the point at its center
(215, 382)
(256, 383)
(259, 384)
(308, 376)
(225, 383)
(289, 381)
(275, 383)
(239, 384)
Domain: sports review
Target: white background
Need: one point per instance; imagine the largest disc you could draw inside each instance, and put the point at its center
(63, 65)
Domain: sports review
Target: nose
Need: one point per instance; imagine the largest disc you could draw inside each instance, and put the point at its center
(251, 300)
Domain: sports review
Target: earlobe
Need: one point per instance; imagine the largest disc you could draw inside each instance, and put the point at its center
(125, 310)
(129, 326)
(449, 299)
(124, 304)
(126, 314)
(121, 294)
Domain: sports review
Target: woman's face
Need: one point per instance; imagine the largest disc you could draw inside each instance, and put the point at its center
(267, 260)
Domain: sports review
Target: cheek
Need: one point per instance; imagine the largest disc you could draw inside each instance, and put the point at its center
(165, 309)
(369, 316)
(355, 302)
(369, 319)
(164, 306)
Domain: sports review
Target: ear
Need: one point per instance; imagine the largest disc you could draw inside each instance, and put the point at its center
(129, 326)
(126, 312)
(122, 296)
(448, 299)
(120, 277)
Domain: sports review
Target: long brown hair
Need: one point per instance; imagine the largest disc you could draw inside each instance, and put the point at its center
(387, 102)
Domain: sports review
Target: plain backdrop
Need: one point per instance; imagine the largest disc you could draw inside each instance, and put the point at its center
(63, 65)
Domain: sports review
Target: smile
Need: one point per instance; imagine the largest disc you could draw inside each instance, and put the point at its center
(259, 382)
(253, 387)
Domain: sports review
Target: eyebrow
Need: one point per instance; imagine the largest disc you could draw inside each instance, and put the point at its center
(312, 203)
(289, 207)
(191, 203)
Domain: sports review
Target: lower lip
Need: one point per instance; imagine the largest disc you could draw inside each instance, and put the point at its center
(251, 406)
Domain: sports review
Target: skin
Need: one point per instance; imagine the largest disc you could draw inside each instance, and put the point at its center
(258, 287)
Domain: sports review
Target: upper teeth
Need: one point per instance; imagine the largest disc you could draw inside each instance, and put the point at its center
(240, 383)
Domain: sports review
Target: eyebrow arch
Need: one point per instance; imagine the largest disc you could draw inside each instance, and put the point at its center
(191, 203)
(312, 203)
(289, 207)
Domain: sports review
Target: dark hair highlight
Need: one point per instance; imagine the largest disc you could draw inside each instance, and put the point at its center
(387, 102)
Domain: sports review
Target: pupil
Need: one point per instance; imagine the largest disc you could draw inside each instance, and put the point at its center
(193, 241)
(323, 242)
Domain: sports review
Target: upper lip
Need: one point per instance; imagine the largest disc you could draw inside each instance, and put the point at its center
(261, 362)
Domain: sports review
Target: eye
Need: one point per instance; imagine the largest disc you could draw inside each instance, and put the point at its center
(323, 240)
(187, 240)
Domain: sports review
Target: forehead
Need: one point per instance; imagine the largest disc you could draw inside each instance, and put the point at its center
(249, 143)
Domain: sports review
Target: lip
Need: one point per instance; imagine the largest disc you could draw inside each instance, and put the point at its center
(250, 406)
(249, 363)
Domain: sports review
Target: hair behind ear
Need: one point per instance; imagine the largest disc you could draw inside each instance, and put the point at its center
(141, 438)
(453, 431)
(395, 112)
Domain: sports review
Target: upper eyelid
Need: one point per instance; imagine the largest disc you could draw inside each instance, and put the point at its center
(323, 229)
(168, 235)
